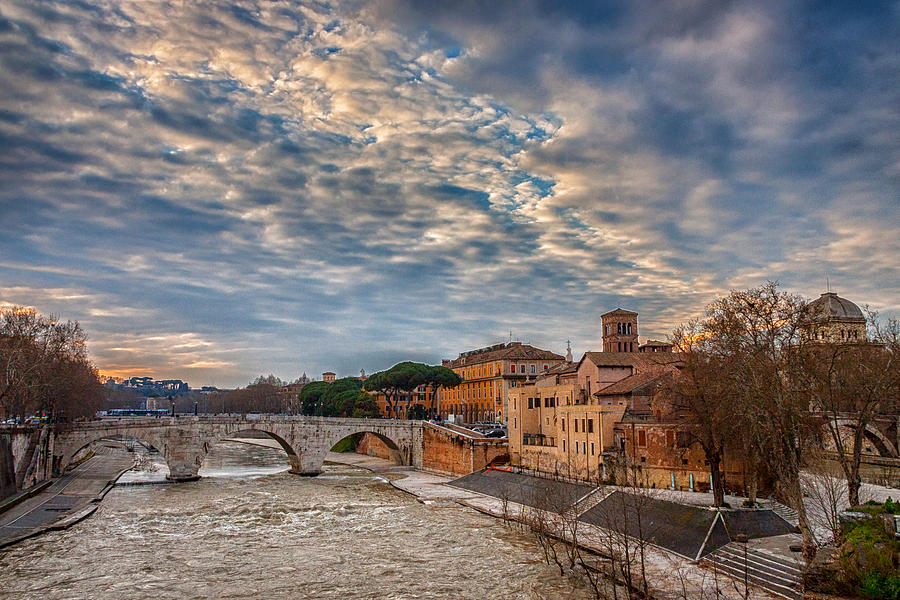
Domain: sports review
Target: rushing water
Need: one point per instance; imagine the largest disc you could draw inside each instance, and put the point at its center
(250, 530)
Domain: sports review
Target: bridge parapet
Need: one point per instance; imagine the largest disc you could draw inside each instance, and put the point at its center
(185, 440)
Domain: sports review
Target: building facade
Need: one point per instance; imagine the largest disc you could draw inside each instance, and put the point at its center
(566, 420)
(488, 376)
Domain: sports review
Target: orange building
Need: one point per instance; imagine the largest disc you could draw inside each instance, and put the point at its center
(488, 374)
(405, 404)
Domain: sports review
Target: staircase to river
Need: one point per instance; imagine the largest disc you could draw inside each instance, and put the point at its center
(758, 568)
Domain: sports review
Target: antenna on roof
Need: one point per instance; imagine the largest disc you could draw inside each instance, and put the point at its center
(827, 282)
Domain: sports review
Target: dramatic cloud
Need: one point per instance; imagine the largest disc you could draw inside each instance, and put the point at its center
(217, 190)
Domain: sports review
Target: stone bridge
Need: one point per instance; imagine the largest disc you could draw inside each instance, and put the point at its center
(185, 441)
(881, 434)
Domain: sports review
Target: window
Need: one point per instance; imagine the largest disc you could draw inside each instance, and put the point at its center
(642, 438)
(515, 404)
(592, 448)
(512, 368)
(643, 459)
(684, 461)
(583, 428)
(576, 447)
(531, 403)
(564, 445)
(521, 368)
(576, 425)
(670, 439)
(532, 368)
(546, 367)
(590, 426)
(563, 426)
(514, 423)
(584, 447)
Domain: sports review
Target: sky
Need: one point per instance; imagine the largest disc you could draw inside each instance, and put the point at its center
(218, 190)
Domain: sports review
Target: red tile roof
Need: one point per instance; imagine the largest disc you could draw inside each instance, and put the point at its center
(631, 384)
(511, 351)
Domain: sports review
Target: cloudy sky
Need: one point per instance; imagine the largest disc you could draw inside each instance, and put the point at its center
(221, 189)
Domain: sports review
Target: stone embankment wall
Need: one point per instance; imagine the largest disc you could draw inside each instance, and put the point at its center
(448, 451)
(370, 445)
(24, 458)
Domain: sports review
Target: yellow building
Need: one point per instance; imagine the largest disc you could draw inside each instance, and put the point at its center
(489, 374)
(554, 427)
(565, 420)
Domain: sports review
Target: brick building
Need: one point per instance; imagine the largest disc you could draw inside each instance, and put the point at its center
(565, 420)
(568, 420)
(488, 376)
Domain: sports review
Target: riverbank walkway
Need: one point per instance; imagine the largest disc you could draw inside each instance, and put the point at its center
(69, 499)
(669, 575)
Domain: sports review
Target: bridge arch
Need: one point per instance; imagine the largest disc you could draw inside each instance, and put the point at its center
(393, 448)
(873, 435)
(292, 455)
(63, 457)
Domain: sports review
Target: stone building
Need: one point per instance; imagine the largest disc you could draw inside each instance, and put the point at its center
(835, 319)
(488, 376)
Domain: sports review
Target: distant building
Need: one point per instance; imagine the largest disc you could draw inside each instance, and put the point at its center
(835, 319)
(147, 385)
(328, 377)
(488, 376)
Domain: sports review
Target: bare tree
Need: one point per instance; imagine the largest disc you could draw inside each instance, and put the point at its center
(701, 398)
(759, 331)
(849, 385)
(827, 496)
(44, 367)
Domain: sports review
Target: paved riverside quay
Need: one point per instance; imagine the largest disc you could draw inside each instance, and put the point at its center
(67, 500)
(185, 441)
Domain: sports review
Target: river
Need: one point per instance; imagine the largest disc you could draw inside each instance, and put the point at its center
(249, 529)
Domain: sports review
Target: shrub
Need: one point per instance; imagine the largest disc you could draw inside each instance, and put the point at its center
(880, 586)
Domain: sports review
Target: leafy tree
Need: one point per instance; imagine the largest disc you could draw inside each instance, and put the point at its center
(440, 377)
(402, 377)
(311, 397)
(406, 377)
(342, 398)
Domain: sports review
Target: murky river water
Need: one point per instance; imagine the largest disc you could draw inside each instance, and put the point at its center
(249, 531)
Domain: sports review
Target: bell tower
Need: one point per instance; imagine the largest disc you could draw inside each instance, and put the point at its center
(620, 331)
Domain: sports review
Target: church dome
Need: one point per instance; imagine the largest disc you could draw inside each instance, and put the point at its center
(831, 307)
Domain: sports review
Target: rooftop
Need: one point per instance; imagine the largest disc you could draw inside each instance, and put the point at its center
(510, 351)
(831, 307)
(631, 359)
(631, 384)
(618, 311)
